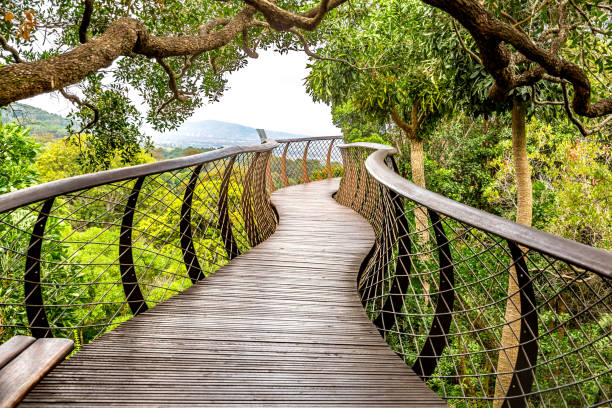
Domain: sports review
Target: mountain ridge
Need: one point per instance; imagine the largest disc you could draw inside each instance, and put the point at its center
(38, 120)
(200, 134)
(216, 133)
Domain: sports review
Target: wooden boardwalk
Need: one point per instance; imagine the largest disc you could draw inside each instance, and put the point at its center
(279, 325)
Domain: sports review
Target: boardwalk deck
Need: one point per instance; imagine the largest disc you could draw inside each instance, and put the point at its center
(279, 325)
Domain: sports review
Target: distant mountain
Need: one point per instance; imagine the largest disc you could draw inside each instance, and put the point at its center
(204, 134)
(39, 121)
(214, 133)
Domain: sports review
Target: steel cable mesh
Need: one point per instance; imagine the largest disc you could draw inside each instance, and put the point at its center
(79, 264)
(437, 289)
(297, 161)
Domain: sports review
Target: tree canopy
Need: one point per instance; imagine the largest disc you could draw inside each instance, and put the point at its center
(174, 54)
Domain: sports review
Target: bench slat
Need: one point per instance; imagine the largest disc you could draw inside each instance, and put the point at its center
(13, 347)
(28, 368)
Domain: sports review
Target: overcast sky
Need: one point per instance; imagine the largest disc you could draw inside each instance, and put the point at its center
(268, 93)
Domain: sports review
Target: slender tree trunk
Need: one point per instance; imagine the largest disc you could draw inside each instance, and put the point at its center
(417, 163)
(511, 332)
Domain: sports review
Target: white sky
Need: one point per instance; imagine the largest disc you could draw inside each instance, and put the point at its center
(268, 94)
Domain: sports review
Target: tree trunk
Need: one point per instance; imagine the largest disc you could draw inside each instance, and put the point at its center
(511, 332)
(417, 163)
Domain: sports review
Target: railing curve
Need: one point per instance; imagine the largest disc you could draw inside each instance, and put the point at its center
(488, 312)
(301, 160)
(81, 255)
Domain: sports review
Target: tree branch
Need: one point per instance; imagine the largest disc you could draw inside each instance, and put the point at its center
(122, 38)
(465, 48)
(569, 112)
(77, 101)
(245, 44)
(177, 94)
(490, 35)
(314, 55)
(532, 15)
(587, 19)
(536, 101)
(128, 36)
(85, 21)
(601, 6)
(281, 19)
(583, 130)
(601, 125)
(10, 49)
(408, 129)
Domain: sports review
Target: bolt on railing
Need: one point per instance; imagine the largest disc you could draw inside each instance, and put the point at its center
(436, 285)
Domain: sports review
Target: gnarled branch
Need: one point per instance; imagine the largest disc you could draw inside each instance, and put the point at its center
(490, 35)
(122, 38)
(281, 19)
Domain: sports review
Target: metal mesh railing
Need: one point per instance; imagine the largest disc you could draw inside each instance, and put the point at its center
(298, 161)
(488, 312)
(80, 256)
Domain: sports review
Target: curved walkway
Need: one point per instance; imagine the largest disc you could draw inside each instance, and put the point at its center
(279, 325)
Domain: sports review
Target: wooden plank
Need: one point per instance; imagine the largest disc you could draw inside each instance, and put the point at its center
(281, 324)
(29, 367)
(11, 348)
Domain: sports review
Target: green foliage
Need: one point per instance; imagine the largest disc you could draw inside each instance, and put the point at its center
(572, 181)
(17, 154)
(40, 122)
(337, 171)
(389, 55)
(53, 29)
(61, 159)
(116, 133)
(457, 162)
(163, 153)
(354, 125)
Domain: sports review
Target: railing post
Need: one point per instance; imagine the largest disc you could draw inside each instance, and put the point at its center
(348, 184)
(437, 339)
(395, 300)
(129, 279)
(328, 163)
(35, 309)
(361, 185)
(527, 354)
(269, 174)
(284, 165)
(304, 167)
(344, 181)
(266, 222)
(247, 204)
(190, 257)
(262, 135)
(368, 206)
(225, 224)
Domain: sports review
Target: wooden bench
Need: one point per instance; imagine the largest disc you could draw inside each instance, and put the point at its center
(24, 361)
